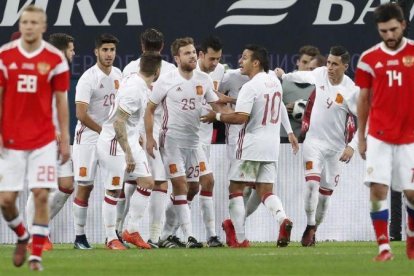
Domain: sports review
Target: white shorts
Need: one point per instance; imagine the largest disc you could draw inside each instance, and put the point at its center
(182, 162)
(65, 170)
(156, 166)
(321, 162)
(204, 154)
(390, 164)
(37, 166)
(253, 171)
(85, 162)
(113, 166)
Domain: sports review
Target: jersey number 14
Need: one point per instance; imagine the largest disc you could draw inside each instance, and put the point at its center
(394, 76)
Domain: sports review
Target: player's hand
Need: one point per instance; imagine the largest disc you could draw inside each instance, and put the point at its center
(362, 147)
(279, 72)
(224, 99)
(64, 151)
(294, 142)
(58, 139)
(151, 145)
(209, 117)
(347, 154)
(130, 162)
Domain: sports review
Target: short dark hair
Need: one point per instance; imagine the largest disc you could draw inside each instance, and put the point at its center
(388, 11)
(61, 40)
(180, 42)
(308, 50)
(212, 42)
(152, 40)
(340, 51)
(105, 38)
(149, 63)
(261, 54)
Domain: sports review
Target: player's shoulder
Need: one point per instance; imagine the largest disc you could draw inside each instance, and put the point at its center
(167, 67)
(131, 67)
(198, 75)
(116, 72)
(9, 46)
(133, 83)
(53, 50)
(372, 51)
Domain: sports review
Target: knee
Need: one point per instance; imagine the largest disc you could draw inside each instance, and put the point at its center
(41, 196)
(146, 183)
(6, 202)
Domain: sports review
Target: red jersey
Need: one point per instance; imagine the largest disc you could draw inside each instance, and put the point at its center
(390, 75)
(28, 81)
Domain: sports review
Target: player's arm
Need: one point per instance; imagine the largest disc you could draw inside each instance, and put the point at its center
(234, 118)
(286, 125)
(297, 76)
(83, 116)
(149, 128)
(1, 115)
(224, 99)
(62, 109)
(119, 124)
(363, 107)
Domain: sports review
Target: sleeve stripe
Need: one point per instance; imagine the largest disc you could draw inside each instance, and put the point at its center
(365, 67)
(4, 69)
(60, 68)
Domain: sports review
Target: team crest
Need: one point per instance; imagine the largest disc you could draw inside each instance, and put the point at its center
(116, 84)
(43, 68)
(173, 168)
(116, 180)
(309, 165)
(83, 171)
(202, 166)
(408, 61)
(216, 85)
(339, 98)
(199, 90)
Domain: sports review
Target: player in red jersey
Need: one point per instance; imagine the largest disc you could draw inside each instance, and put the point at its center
(31, 72)
(385, 76)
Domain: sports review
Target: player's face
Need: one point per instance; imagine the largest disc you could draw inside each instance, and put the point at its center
(391, 33)
(209, 60)
(70, 52)
(336, 69)
(187, 58)
(106, 54)
(303, 62)
(32, 25)
(246, 63)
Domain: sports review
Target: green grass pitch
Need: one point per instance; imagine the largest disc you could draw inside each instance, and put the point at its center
(327, 258)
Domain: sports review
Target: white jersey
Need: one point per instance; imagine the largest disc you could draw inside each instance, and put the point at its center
(261, 98)
(98, 90)
(231, 84)
(332, 104)
(132, 99)
(206, 130)
(181, 100)
(133, 67)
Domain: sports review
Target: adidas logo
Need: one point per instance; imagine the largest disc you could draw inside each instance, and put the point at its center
(13, 66)
(379, 65)
(101, 86)
(322, 87)
(179, 89)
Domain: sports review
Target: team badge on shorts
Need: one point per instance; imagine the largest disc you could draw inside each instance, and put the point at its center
(83, 171)
(199, 90)
(173, 168)
(116, 181)
(116, 84)
(43, 68)
(339, 99)
(309, 165)
(202, 166)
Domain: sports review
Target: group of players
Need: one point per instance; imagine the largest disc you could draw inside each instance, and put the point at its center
(152, 123)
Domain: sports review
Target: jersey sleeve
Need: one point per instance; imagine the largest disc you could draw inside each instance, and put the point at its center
(129, 99)
(363, 74)
(210, 95)
(301, 76)
(3, 73)
(84, 90)
(159, 92)
(61, 76)
(245, 100)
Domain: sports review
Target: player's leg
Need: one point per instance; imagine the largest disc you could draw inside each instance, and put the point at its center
(378, 176)
(122, 207)
(312, 161)
(42, 177)
(84, 159)
(156, 212)
(264, 187)
(252, 202)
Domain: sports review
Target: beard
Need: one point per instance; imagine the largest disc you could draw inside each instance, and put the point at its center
(393, 44)
(188, 67)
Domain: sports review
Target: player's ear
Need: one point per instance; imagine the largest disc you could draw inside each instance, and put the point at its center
(96, 51)
(176, 59)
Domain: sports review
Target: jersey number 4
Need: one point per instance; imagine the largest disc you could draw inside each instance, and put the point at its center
(27, 84)
(274, 113)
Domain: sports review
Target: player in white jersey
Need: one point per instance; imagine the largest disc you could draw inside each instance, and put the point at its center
(259, 107)
(119, 151)
(325, 144)
(58, 197)
(180, 93)
(152, 40)
(95, 94)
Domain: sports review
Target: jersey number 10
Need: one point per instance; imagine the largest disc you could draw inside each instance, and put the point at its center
(274, 114)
